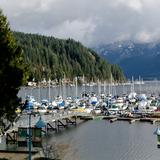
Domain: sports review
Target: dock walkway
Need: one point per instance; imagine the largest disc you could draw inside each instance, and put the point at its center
(46, 118)
(53, 117)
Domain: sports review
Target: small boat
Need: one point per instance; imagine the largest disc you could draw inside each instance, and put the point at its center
(113, 109)
(93, 99)
(60, 102)
(42, 109)
(28, 104)
(132, 97)
(78, 109)
(119, 102)
(97, 110)
(88, 109)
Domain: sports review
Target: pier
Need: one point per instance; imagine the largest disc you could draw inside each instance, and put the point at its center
(56, 122)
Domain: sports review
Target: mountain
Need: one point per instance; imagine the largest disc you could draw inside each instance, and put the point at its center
(135, 59)
(49, 57)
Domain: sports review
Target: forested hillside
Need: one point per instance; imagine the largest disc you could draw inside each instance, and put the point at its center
(49, 57)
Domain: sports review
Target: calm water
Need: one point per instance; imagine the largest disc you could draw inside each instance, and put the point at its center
(43, 93)
(102, 140)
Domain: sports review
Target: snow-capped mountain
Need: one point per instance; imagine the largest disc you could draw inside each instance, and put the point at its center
(135, 59)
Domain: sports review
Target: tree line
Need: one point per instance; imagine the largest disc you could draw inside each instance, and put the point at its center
(49, 57)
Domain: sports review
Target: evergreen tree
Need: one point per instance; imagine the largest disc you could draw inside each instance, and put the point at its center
(12, 70)
(53, 58)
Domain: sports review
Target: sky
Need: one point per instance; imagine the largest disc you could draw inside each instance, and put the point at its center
(92, 22)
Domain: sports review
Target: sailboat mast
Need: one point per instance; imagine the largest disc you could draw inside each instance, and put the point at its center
(49, 92)
(99, 88)
(104, 87)
(84, 84)
(132, 85)
(140, 84)
(64, 87)
(111, 85)
(39, 93)
(76, 87)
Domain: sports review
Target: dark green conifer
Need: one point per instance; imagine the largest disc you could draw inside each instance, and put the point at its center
(12, 70)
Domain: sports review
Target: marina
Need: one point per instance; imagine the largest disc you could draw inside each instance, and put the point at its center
(79, 80)
(64, 113)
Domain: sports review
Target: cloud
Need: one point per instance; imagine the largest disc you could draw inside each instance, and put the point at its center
(143, 36)
(136, 5)
(90, 21)
(76, 29)
(146, 36)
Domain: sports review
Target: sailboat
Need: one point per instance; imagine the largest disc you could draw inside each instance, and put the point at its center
(133, 94)
(45, 103)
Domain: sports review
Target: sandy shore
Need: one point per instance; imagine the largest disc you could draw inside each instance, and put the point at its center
(17, 156)
(13, 156)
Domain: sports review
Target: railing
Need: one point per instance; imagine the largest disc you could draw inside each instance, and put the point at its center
(50, 117)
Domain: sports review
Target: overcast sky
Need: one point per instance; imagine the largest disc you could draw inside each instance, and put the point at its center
(91, 22)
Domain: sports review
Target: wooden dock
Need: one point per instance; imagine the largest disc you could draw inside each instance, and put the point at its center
(57, 122)
(151, 120)
(116, 118)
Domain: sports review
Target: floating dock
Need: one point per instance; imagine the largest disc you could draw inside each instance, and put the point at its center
(116, 118)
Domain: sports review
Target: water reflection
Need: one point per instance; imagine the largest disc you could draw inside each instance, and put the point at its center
(150, 87)
(103, 140)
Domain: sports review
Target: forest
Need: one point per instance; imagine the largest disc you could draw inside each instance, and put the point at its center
(53, 58)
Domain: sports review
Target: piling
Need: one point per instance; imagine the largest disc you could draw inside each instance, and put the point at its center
(113, 120)
(11, 137)
(133, 120)
(50, 127)
(60, 124)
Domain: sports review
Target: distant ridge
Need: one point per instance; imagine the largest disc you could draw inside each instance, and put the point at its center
(49, 57)
(135, 59)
